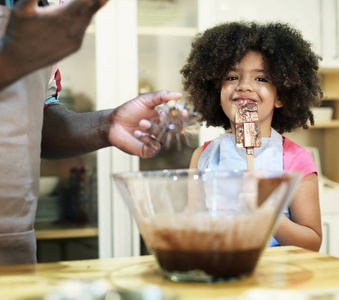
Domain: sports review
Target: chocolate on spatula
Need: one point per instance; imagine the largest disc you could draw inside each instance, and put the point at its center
(247, 130)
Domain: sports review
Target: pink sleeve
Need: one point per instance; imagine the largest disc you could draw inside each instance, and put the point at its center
(205, 145)
(297, 159)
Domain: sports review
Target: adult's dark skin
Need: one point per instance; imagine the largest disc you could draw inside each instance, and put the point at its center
(66, 133)
(36, 37)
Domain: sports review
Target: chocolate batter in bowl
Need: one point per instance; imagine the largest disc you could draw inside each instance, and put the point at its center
(206, 225)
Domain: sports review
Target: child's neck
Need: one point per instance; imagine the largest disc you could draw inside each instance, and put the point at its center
(265, 132)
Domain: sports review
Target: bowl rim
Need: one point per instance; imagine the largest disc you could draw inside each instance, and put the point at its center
(224, 172)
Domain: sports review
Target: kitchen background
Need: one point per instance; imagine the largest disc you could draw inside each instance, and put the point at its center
(139, 46)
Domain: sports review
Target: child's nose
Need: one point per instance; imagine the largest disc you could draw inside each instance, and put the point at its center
(244, 85)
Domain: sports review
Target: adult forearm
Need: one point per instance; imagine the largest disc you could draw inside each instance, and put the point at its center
(11, 67)
(66, 133)
(36, 37)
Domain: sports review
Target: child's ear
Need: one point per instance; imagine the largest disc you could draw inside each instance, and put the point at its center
(278, 104)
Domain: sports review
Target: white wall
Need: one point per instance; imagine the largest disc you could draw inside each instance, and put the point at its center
(117, 82)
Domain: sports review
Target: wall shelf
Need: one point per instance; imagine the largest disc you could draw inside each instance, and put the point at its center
(49, 231)
(325, 124)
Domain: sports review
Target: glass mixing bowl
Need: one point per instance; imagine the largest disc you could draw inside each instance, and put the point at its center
(206, 225)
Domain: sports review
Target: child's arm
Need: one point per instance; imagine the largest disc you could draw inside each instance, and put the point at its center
(195, 157)
(304, 228)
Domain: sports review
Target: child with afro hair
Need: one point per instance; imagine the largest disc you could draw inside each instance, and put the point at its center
(236, 63)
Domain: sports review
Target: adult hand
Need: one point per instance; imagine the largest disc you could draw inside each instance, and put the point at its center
(39, 36)
(128, 123)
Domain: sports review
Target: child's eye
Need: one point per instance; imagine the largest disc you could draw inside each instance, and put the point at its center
(261, 79)
(230, 78)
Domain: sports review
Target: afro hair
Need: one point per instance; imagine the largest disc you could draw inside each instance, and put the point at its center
(291, 65)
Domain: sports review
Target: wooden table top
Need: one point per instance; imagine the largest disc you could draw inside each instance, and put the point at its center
(288, 268)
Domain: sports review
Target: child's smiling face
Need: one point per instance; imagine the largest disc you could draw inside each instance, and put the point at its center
(247, 82)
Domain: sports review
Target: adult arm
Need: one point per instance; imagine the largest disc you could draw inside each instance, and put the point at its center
(66, 133)
(39, 36)
(304, 228)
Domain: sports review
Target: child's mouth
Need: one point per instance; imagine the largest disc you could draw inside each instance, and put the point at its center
(243, 101)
